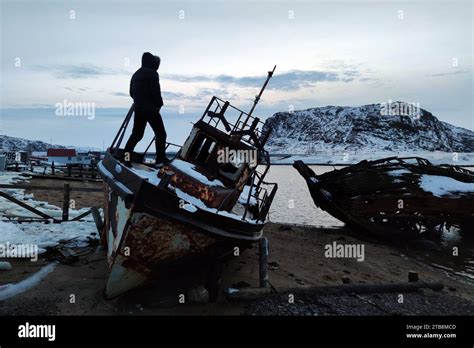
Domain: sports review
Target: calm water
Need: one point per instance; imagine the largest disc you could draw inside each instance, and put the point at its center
(293, 204)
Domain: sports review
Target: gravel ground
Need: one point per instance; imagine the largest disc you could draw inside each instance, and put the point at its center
(296, 261)
(423, 302)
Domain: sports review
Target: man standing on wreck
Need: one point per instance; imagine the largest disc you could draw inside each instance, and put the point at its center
(146, 93)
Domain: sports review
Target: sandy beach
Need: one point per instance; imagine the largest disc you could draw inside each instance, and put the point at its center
(296, 259)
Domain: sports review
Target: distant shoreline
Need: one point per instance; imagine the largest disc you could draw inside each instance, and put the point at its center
(463, 159)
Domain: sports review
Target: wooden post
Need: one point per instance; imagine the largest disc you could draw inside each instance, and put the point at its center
(52, 168)
(97, 219)
(412, 277)
(67, 191)
(263, 246)
(69, 170)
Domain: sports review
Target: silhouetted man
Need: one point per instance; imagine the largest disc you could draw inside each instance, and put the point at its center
(146, 93)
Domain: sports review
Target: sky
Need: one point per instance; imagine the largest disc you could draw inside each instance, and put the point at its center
(347, 53)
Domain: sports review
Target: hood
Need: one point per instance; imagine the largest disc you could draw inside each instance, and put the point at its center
(150, 61)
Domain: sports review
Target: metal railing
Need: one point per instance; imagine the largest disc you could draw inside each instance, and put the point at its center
(121, 133)
(262, 192)
(249, 128)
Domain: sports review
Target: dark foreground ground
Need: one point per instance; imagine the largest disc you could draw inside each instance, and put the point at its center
(296, 260)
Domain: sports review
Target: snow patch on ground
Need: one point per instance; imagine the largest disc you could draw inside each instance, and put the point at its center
(12, 209)
(10, 290)
(39, 233)
(47, 235)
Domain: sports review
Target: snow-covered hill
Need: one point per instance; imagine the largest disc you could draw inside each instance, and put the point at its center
(20, 144)
(368, 128)
(12, 143)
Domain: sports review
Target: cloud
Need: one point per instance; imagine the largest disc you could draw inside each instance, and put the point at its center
(202, 95)
(291, 80)
(457, 72)
(340, 64)
(71, 71)
(119, 94)
(207, 93)
(351, 73)
(284, 81)
(77, 90)
(173, 95)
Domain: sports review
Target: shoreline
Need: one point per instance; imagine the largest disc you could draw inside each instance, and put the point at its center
(296, 259)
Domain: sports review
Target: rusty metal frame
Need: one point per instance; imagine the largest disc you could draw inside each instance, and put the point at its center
(351, 196)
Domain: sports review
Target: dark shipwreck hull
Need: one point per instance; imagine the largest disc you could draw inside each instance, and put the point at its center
(147, 229)
(196, 209)
(395, 197)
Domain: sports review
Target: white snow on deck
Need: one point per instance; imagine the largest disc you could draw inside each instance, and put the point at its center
(245, 194)
(190, 170)
(441, 186)
(200, 204)
(398, 172)
(194, 203)
(147, 173)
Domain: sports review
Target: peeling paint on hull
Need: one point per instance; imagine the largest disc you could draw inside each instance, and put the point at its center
(139, 243)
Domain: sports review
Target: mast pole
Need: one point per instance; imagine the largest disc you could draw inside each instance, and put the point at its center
(257, 98)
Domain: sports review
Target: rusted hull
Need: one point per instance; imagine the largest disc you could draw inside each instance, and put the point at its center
(386, 197)
(139, 244)
(146, 230)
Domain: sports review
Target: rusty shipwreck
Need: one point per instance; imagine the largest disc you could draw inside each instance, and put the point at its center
(195, 208)
(395, 197)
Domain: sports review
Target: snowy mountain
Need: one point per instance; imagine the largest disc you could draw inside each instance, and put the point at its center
(12, 143)
(365, 128)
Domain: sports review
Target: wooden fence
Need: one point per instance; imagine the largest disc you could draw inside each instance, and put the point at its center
(66, 200)
(67, 172)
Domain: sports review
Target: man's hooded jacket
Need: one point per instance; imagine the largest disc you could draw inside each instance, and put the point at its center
(145, 84)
